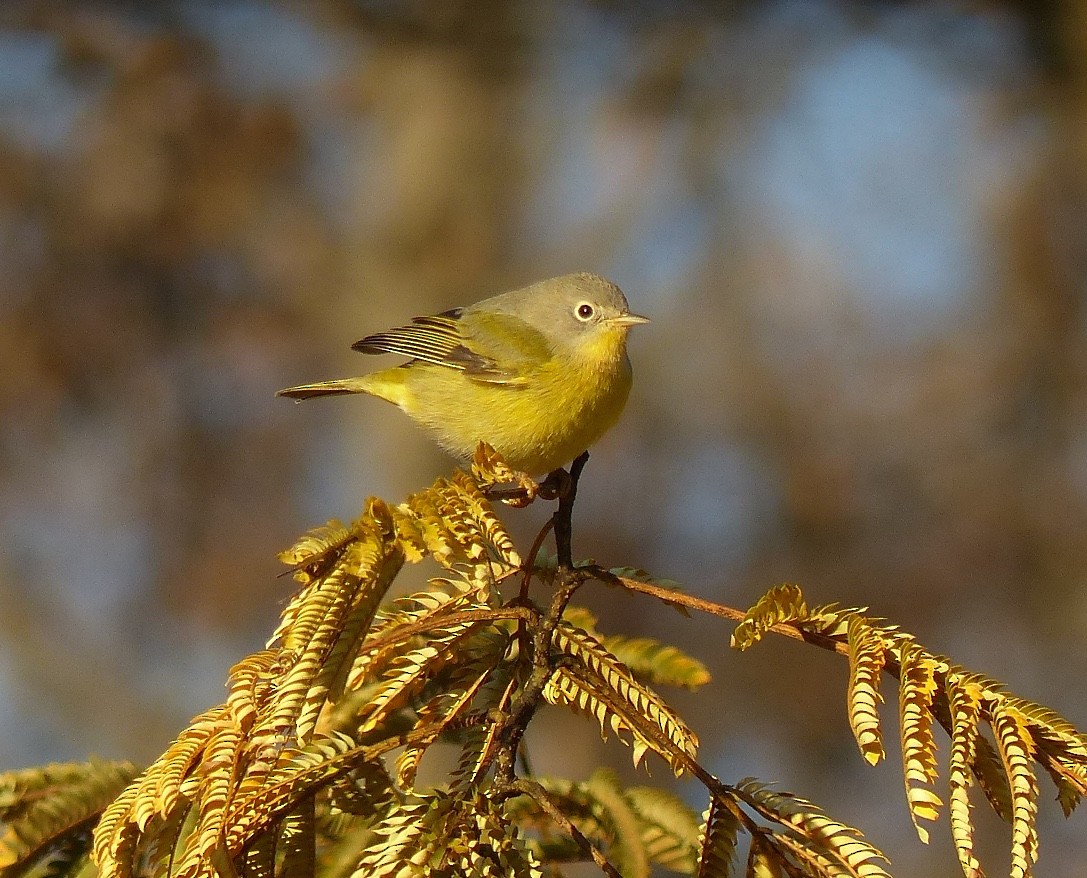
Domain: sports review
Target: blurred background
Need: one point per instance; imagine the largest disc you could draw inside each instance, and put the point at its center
(860, 230)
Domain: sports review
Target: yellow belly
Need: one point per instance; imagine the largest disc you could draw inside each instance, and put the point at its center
(563, 407)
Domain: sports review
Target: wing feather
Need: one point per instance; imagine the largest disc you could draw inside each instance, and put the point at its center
(438, 340)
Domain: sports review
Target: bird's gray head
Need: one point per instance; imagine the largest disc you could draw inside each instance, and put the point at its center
(571, 308)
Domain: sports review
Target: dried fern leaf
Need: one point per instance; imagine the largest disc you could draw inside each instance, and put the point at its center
(1051, 731)
(306, 646)
(399, 847)
(867, 656)
(436, 715)
(964, 703)
(317, 548)
(655, 662)
(297, 841)
(782, 603)
(259, 859)
(412, 610)
(411, 671)
(173, 766)
(717, 840)
(48, 811)
(299, 773)
(832, 839)
(1017, 753)
(620, 693)
(115, 836)
(920, 769)
(247, 686)
(670, 829)
(764, 860)
(488, 525)
(626, 848)
(453, 522)
(797, 856)
(1070, 778)
(990, 775)
(375, 566)
(490, 846)
(218, 773)
(831, 620)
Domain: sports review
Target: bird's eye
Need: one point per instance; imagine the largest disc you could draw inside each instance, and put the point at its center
(585, 311)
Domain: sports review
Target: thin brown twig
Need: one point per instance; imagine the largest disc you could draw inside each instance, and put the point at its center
(539, 795)
(676, 598)
(533, 553)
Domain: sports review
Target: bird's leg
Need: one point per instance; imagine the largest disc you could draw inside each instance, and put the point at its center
(555, 485)
(562, 516)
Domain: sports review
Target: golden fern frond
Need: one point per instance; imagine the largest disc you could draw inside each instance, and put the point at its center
(410, 610)
(1050, 731)
(782, 603)
(336, 611)
(489, 845)
(867, 656)
(48, 811)
(964, 701)
(640, 704)
(399, 846)
(626, 848)
(990, 775)
(436, 715)
(793, 855)
(717, 840)
(567, 688)
(655, 662)
(1070, 778)
(670, 829)
(764, 860)
(373, 565)
(316, 549)
(454, 522)
(297, 776)
(831, 620)
(310, 638)
(1017, 753)
(836, 841)
(219, 773)
(488, 525)
(410, 671)
(247, 685)
(920, 770)
(115, 835)
(174, 765)
(297, 842)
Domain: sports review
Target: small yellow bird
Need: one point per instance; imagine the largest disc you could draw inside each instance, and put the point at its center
(539, 373)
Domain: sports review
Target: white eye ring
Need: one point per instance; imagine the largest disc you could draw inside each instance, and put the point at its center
(584, 311)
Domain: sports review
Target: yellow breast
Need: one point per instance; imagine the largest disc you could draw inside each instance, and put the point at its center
(563, 407)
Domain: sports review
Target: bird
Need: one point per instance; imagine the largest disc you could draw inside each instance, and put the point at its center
(539, 373)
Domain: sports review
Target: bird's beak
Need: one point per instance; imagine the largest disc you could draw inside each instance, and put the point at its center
(628, 320)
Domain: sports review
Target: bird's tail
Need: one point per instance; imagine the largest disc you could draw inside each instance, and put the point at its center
(326, 388)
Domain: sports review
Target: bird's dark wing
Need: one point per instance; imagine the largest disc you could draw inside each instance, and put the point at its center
(440, 340)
